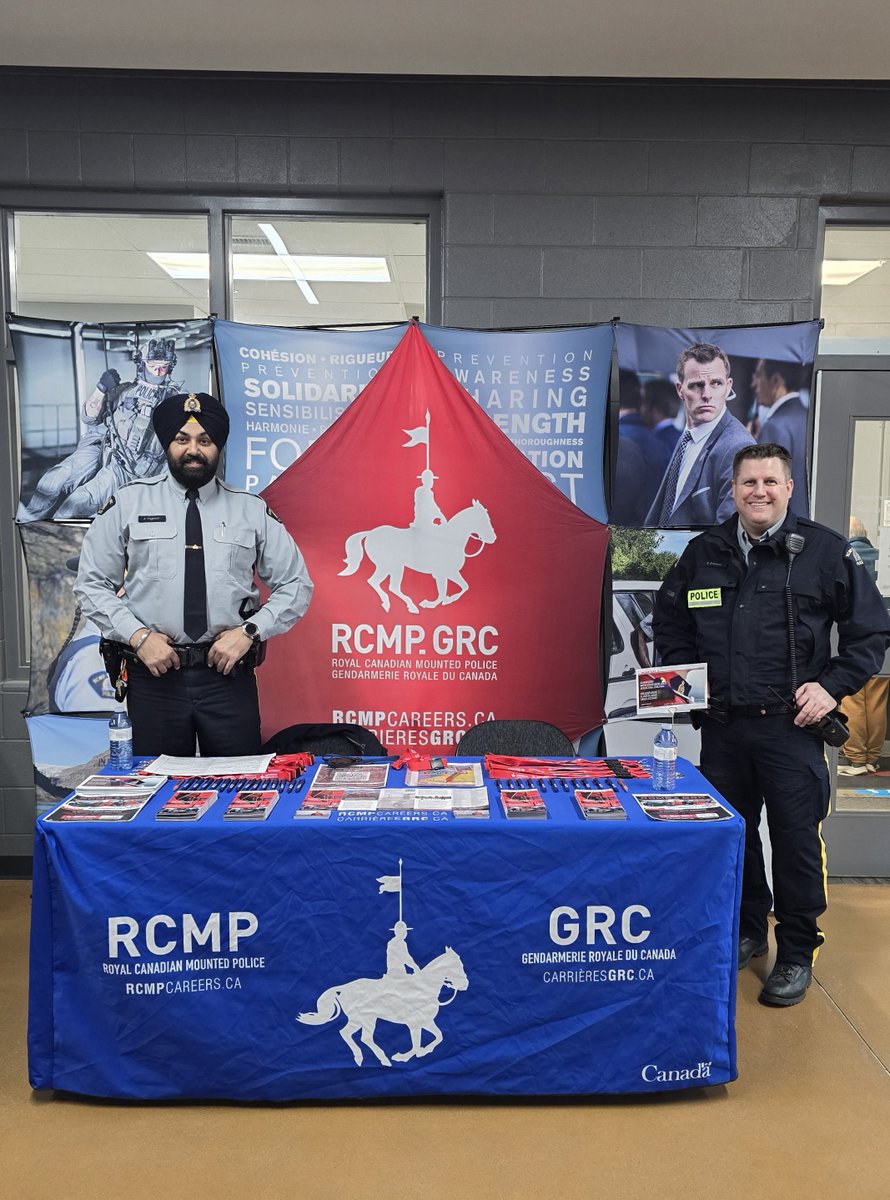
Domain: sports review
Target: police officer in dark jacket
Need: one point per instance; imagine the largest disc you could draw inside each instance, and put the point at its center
(725, 602)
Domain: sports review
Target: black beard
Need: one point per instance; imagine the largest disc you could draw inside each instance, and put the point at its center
(193, 475)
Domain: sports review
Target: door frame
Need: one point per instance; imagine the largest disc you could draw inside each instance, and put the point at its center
(847, 389)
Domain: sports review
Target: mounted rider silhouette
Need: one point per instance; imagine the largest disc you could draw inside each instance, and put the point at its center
(398, 957)
(426, 510)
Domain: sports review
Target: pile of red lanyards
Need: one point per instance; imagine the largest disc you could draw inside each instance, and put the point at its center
(505, 766)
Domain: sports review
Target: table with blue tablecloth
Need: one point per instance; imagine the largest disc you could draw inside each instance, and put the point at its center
(266, 961)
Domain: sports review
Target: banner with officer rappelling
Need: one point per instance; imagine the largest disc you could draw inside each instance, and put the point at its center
(453, 581)
(86, 395)
(545, 389)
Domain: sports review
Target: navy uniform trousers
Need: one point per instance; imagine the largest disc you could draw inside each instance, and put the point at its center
(768, 759)
(170, 711)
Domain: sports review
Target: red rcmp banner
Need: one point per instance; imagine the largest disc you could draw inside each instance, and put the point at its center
(453, 582)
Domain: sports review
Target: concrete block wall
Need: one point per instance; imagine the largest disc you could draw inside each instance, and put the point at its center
(661, 203)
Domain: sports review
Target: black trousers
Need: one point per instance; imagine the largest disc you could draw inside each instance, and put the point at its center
(767, 760)
(169, 712)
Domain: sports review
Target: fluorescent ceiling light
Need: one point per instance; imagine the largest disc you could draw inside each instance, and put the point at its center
(841, 271)
(343, 268)
(321, 268)
(182, 266)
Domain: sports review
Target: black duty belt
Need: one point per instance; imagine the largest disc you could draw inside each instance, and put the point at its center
(752, 710)
(192, 654)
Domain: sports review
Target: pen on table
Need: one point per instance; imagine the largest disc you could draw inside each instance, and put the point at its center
(621, 784)
(299, 784)
(565, 784)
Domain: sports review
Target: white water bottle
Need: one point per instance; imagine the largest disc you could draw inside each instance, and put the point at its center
(664, 760)
(120, 741)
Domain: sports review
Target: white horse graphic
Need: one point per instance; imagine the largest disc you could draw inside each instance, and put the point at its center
(439, 551)
(411, 1000)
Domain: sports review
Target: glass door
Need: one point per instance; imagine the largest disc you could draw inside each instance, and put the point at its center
(852, 495)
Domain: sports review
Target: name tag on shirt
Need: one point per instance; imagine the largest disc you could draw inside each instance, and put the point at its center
(147, 520)
(704, 597)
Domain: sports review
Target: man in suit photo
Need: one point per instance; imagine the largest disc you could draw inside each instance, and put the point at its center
(697, 485)
(783, 419)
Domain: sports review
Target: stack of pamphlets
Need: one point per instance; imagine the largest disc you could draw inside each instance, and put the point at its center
(320, 802)
(451, 775)
(526, 802)
(185, 805)
(599, 804)
(251, 805)
(108, 798)
(470, 803)
(672, 806)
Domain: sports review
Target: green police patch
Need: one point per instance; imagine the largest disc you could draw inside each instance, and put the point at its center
(274, 516)
(704, 598)
(109, 503)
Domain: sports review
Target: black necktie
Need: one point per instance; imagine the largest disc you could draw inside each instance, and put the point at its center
(673, 475)
(195, 595)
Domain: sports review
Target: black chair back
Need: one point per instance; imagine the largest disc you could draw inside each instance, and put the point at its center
(325, 739)
(524, 738)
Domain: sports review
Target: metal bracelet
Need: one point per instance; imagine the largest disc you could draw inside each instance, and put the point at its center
(144, 638)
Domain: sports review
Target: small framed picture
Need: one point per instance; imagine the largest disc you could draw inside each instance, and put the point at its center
(664, 690)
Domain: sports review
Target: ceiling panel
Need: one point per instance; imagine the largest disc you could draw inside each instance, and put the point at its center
(689, 39)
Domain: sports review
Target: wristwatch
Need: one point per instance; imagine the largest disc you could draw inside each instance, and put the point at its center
(251, 630)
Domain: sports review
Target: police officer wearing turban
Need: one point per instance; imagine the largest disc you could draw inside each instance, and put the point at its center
(186, 548)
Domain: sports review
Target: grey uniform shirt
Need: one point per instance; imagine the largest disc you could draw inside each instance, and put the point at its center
(138, 542)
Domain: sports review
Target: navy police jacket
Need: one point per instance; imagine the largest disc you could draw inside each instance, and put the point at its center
(714, 607)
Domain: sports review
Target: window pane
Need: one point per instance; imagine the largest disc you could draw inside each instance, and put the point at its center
(309, 271)
(866, 711)
(856, 290)
(106, 267)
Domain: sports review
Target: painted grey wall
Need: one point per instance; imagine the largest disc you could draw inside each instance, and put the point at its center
(562, 202)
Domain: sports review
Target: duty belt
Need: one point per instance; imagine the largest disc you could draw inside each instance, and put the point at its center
(192, 654)
(725, 711)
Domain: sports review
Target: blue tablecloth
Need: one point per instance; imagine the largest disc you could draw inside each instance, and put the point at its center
(557, 956)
